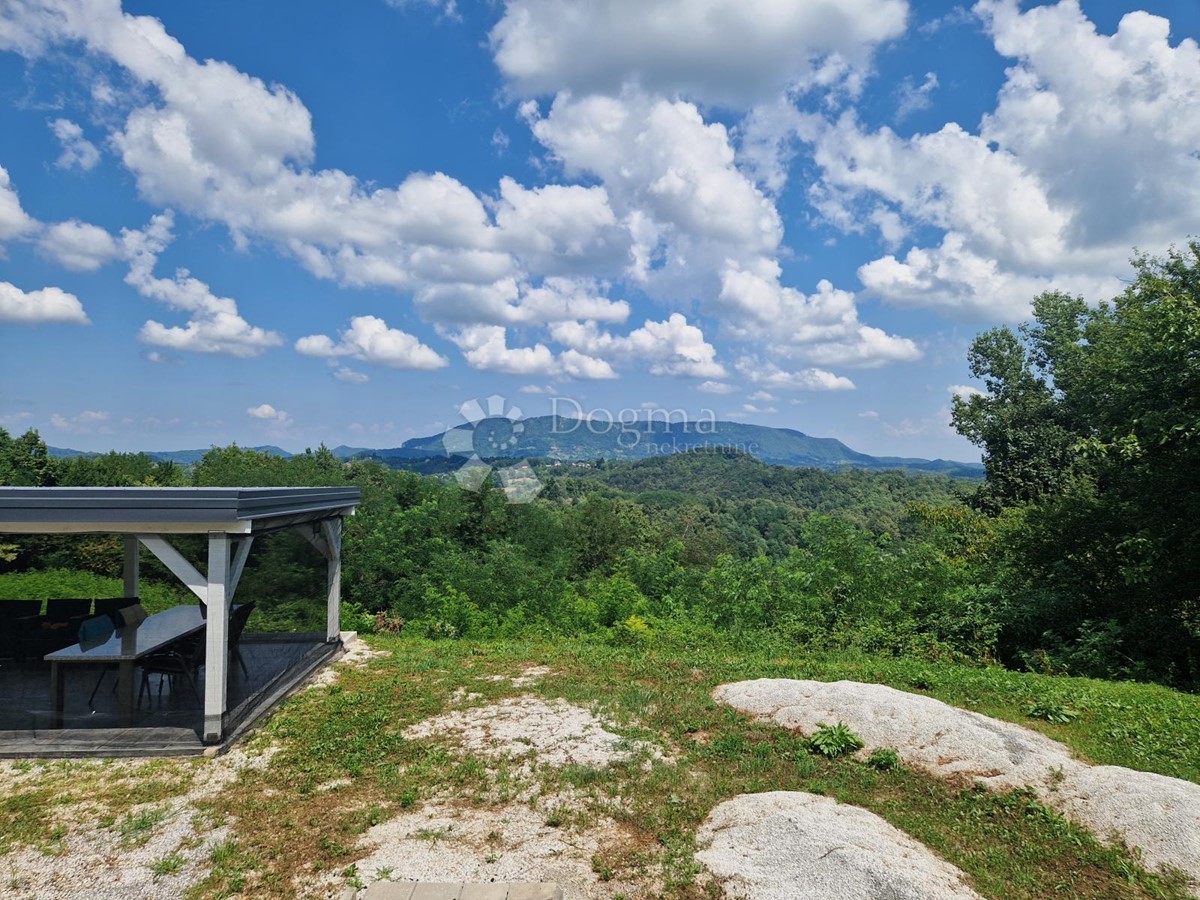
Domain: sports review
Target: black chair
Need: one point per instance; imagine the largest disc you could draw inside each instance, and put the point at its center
(13, 617)
(183, 658)
(237, 624)
(93, 631)
(106, 606)
(57, 628)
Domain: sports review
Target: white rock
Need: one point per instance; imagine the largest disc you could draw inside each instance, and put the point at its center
(786, 845)
(1159, 816)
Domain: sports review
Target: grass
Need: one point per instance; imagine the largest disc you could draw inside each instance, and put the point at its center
(1009, 845)
(31, 811)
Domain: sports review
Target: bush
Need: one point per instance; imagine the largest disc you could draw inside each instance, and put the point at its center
(834, 740)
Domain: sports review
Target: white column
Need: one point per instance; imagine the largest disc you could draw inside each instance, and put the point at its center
(333, 541)
(131, 567)
(216, 656)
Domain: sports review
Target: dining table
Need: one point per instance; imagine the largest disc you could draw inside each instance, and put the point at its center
(123, 648)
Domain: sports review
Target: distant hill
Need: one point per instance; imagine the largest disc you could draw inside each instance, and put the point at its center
(181, 457)
(573, 440)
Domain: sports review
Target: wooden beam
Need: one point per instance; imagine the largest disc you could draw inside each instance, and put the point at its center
(173, 560)
(238, 563)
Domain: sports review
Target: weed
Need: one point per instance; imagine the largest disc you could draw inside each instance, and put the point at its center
(834, 740)
(1051, 710)
(167, 865)
(884, 759)
(135, 828)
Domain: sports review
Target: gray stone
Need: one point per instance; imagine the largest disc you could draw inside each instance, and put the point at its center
(1157, 815)
(786, 845)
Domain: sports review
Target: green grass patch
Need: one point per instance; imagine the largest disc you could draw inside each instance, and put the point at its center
(1008, 844)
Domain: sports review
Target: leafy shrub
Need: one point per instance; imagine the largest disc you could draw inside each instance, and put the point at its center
(883, 759)
(632, 631)
(834, 740)
(1050, 710)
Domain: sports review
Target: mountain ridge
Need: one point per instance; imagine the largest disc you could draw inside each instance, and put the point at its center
(555, 438)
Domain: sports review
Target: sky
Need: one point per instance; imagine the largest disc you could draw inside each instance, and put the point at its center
(315, 223)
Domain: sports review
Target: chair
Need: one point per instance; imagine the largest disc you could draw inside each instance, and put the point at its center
(184, 658)
(13, 615)
(237, 624)
(93, 631)
(106, 606)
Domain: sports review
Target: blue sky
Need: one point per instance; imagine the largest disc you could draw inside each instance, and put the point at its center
(224, 221)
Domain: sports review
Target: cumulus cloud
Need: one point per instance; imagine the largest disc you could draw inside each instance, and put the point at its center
(715, 387)
(663, 206)
(77, 151)
(964, 391)
(350, 376)
(772, 376)
(78, 245)
(1020, 208)
(49, 304)
(14, 221)
(723, 51)
(369, 339)
(267, 413)
(670, 347)
(214, 326)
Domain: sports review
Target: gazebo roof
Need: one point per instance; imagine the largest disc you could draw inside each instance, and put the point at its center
(133, 510)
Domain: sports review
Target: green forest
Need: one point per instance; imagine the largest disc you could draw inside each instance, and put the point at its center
(1079, 554)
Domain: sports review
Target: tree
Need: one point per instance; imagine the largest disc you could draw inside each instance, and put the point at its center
(1021, 422)
(1092, 418)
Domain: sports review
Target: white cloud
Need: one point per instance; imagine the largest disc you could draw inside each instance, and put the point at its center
(348, 375)
(49, 304)
(215, 325)
(822, 328)
(486, 347)
(772, 376)
(536, 389)
(561, 229)
(369, 339)
(14, 221)
(267, 413)
(670, 347)
(86, 421)
(76, 149)
(756, 410)
(664, 206)
(760, 397)
(715, 387)
(78, 245)
(964, 391)
(913, 97)
(723, 51)
(1021, 205)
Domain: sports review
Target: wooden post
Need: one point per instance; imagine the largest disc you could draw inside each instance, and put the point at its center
(333, 542)
(216, 637)
(131, 567)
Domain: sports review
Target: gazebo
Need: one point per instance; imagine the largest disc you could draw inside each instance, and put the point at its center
(230, 517)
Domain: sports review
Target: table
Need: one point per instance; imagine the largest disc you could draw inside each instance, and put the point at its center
(124, 647)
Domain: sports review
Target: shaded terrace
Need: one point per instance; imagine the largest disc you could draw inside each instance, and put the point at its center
(231, 699)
